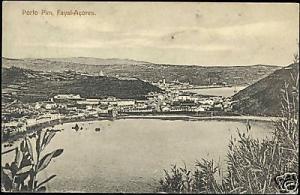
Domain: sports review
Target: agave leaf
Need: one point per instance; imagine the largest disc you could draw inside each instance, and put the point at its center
(22, 146)
(38, 144)
(24, 170)
(57, 152)
(29, 146)
(49, 137)
(44, 139)
(45, 161)
(18, 157)
(46, 180)
(47, 158)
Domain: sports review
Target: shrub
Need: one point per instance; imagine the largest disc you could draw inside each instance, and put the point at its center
(184, 180)
(21, 174)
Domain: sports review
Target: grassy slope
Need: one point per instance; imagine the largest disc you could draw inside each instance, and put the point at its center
(263, 97)
(32, 85)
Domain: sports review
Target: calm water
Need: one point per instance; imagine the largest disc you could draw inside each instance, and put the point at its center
(130, 155)
(224, 91)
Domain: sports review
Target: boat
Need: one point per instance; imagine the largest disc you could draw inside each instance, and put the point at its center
(97, 129)
(6, 145)
(10, 144)
(76, 127)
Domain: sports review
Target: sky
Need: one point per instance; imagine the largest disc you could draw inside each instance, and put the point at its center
(191, 33)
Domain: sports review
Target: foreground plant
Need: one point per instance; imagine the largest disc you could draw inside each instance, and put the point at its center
(202, 180)
(21, 174)
(253, 166)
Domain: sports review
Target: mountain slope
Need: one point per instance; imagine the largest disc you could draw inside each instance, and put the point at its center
(30, 86)
(264, 97)
(197, 75)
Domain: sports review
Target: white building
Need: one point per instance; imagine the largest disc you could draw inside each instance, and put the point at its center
(67, 97)
(125, 103)
(49, 105)
(206, 101)
(87, 104)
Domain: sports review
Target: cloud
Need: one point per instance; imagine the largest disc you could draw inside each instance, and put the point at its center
(198, 32)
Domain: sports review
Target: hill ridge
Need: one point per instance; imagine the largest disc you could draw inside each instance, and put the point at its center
(197, 75)
(264, 96)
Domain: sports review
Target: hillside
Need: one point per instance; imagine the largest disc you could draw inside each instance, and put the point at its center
(197, 75)
(30, 86)
(98, 61)
(264, 97)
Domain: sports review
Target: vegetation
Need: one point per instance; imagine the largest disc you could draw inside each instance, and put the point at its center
(197, 75)
(32, 86)
(21, 174)
(263, 97)
(253, 166)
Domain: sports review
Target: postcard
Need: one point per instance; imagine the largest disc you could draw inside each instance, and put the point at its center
(150, 97)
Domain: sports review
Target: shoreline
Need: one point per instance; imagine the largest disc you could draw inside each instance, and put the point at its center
(204, 118)
(183, 117)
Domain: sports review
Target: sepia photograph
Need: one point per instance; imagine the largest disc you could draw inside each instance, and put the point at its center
(150, 97)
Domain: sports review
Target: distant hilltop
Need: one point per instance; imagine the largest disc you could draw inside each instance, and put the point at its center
(111, 61)
(193, 74)
(97, 61)
(81, 60)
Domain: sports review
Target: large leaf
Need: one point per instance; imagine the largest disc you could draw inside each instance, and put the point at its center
(46, 180)
(57, 152)
(38, 142)
(49, 137)
(44, 139)
(18, 157)
(47, 158)
(22, 146)
(29, 146)
(24, 170)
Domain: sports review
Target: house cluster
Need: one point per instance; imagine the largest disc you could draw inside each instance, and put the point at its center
(174, 85)
(178, 101)
(170, 101)
(177, 85)
(18, 117)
